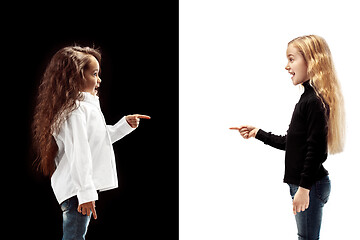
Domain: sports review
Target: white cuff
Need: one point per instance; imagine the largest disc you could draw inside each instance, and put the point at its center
(119, 130)
(87, 196)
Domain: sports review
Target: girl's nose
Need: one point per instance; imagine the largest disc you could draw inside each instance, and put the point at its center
(99, 80)
(287, 67)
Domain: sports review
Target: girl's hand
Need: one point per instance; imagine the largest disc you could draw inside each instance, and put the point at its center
(301, 200)
(85, 209)
(134, 120)
(246, 131)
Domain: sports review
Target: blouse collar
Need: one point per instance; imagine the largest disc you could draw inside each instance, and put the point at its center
(89, 98)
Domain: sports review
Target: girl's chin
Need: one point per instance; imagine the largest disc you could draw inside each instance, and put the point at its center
(295, 82)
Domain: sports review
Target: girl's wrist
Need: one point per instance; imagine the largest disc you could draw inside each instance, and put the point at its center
(304, 190)
(256, 131)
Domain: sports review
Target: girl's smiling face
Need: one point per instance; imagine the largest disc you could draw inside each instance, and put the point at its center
(296, 66)
(92, 79)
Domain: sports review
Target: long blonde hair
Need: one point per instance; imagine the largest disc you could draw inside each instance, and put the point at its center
(323, 79)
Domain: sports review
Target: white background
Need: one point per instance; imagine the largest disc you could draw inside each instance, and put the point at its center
(232, 72)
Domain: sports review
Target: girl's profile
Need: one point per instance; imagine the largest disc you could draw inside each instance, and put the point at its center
(317, 128)
(72, 139)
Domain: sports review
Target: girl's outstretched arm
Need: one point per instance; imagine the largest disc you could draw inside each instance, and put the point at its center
(268, 138)
(125, 126)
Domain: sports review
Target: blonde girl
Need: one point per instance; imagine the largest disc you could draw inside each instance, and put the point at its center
(73, 141)
(316, 128)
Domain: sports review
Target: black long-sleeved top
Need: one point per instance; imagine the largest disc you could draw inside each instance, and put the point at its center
(305, 144)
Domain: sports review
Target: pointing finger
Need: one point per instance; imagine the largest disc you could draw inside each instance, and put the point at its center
(142, 116)
(238, 128)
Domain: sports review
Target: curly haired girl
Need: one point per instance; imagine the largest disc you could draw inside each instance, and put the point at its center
(72, 139)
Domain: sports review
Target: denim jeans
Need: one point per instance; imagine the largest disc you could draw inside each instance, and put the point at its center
(309, 222)
(74, 223)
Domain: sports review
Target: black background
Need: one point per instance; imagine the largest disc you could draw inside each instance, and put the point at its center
(139, 45)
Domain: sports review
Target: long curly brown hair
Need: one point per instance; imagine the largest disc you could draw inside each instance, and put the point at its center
(59, 90)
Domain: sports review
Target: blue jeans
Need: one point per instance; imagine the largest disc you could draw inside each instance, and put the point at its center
(309, 222)
(74, 223)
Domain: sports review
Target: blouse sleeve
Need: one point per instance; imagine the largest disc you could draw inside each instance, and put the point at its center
(276, 141)
(79, 154)
(119, 130)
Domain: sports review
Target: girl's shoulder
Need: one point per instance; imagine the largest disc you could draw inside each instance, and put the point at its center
(308, 102)
(85, 110)
(313, 103)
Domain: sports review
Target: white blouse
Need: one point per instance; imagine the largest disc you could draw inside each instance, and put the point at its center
(85, 161)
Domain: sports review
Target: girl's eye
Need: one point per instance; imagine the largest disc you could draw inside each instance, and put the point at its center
(95, 74)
